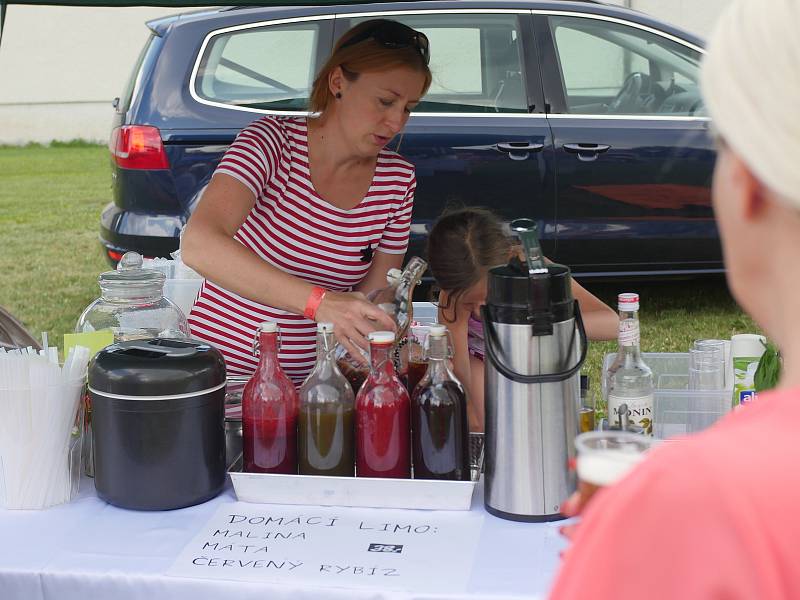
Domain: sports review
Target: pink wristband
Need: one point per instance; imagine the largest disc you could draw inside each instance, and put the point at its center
(313, 302)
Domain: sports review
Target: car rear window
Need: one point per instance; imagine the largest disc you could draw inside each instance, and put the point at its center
(270, 67)
(127, 94)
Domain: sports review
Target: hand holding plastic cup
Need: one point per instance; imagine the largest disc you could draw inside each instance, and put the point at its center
(605, 457)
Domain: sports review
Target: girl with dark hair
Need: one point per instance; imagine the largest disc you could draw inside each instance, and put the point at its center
(304, 216)
(462, 246)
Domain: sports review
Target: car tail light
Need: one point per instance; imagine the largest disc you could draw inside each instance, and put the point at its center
(114, 255)
(117, 256)
(138, 147)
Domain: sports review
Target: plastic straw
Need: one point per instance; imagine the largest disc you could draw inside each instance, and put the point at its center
(39, 401)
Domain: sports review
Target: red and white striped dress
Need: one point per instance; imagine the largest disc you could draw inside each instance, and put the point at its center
(294, 229)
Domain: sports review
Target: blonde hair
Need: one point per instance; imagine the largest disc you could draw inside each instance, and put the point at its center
(363, 57)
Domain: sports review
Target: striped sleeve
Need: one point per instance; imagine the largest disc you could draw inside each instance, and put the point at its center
(395, 236)
(255, 154)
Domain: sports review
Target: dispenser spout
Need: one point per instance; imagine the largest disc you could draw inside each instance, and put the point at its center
(528, 233)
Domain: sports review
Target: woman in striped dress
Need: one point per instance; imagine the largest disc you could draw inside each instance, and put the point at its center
(304, 216)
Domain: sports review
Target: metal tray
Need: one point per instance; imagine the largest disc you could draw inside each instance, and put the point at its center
(267, 488)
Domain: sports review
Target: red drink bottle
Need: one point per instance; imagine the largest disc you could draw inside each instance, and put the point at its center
(269, 412)
(382, 416)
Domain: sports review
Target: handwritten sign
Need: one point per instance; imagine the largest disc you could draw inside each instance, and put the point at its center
(410, 550)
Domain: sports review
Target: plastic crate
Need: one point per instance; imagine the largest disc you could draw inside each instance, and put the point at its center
(425, 313)
(678, 410)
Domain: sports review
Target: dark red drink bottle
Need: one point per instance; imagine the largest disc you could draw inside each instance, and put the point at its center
(382, 416)
(269, 412)
(440, 439)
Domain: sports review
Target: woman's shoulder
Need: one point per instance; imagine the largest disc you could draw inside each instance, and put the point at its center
(391, 163)
(276, 128)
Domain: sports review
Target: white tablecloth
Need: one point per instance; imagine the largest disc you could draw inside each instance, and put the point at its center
(88, 549)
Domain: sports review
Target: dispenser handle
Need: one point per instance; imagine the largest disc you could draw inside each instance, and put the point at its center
(494, 355)
(528, 233)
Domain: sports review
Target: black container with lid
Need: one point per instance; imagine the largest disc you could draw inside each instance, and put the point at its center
(516, 297)
(158, 418)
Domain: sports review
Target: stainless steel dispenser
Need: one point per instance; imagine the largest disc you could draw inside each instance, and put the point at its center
(535, 346)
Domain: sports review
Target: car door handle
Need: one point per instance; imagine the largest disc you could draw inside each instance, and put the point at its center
(519, 147)
(586, 152)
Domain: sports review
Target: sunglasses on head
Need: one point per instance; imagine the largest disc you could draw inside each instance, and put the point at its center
(391, 34)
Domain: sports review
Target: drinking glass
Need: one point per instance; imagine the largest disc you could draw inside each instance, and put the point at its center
(706, 370)
(723, 348)
(587, 410)
(709, 343)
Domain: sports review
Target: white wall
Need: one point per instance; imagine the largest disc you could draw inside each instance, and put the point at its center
(60, 67)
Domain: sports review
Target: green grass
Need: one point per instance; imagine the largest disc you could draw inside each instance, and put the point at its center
(50, 202)
(673, 314)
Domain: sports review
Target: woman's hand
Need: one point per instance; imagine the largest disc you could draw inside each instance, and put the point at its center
(353, 317)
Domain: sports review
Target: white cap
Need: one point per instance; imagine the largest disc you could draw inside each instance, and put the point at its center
(628, 301)
(324, 327)
(268, 327)
(381, 337)
(437, 330)
(747, 345)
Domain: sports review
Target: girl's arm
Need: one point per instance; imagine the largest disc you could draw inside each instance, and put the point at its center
(476, 410)
(600, 320)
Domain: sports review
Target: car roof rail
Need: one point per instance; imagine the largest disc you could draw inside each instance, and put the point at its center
(373, 2)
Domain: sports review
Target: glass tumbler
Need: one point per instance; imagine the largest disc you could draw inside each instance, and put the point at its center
(706, 370)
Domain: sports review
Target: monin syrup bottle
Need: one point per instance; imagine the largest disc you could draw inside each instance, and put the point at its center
(629, 380)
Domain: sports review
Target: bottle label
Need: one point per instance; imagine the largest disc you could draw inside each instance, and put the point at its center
(629, 332)
(640, 410)
(744, 371)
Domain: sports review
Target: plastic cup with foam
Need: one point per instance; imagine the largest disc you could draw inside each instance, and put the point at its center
(605, 457)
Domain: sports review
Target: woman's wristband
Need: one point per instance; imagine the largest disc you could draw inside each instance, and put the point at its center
(313, 302)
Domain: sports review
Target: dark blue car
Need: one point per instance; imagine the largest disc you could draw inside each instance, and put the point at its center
(585, 117)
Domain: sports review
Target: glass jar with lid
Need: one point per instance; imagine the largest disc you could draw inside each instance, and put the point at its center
(132, 304)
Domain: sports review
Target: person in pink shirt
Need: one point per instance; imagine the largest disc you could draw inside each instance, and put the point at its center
(717, 515)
